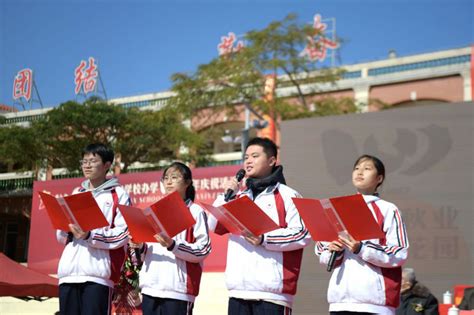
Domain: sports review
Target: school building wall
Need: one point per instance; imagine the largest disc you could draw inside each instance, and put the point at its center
(448, 89)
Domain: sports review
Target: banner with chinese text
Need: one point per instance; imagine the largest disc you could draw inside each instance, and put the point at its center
(144, 189)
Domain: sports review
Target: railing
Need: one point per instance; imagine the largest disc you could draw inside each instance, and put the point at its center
(20, 183)
(13, 184)
(220, 163)
(144, 169)
(67, 175)
(420, 65)
(20, 119)
(352, 74)
(152, 102)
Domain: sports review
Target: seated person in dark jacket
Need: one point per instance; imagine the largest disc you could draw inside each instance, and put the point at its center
(467, 302)
(415, 298)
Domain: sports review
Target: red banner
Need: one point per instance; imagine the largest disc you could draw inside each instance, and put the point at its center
(144, 189)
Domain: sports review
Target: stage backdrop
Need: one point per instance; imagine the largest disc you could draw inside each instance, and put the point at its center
(428, 155)
(144, 189)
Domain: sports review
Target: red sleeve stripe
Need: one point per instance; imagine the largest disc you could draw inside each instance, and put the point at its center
(196, 252)
(288, 238)
(388, 250)
(111, 239)
(401, 233)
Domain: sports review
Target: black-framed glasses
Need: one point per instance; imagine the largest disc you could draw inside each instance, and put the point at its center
(89, 162)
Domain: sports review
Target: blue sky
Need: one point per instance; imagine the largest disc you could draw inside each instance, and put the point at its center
(140, 44)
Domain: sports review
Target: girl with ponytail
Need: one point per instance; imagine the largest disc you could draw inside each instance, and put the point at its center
(172, 267)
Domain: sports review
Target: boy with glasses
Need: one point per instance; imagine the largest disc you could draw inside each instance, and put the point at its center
(91, 261)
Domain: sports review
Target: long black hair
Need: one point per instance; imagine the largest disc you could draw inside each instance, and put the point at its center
(185, 171)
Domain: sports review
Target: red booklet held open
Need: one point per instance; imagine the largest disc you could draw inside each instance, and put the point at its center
(328, 218)
(169, 215)
(241, 216)
(80, 209)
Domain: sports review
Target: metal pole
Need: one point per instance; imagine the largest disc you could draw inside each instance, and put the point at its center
(333, 62)
(37, 94)
(101, 83)
(245, 131)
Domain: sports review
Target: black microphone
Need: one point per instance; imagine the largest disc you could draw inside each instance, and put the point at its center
(332, 260)
(239, 176)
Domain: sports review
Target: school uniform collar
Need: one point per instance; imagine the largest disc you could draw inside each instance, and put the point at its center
(188, 202)
(269, 190)
(267, 184)
(371, 198)
(107, 185)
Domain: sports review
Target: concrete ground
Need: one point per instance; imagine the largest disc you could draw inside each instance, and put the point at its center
(212, 300)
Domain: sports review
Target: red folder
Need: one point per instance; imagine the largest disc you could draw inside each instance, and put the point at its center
(169, 216)
(242, 216)
(328, 218)
(80, 209)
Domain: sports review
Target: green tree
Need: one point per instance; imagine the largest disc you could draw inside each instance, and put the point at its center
(20, 148)
(68, 128)
(154, 136)
(239, 78)
(135, 135)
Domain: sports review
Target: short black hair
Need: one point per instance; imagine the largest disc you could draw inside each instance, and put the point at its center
(106, 154)
(269, 147)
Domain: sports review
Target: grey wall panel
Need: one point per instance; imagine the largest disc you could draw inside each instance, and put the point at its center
(428, 153)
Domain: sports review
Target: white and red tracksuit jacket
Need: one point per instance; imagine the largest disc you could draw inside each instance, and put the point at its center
(100, 257)
(370, 280)
(268, 271)
(176, 273)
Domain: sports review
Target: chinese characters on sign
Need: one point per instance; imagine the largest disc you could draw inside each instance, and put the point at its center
(446, 245)
(146, 193)
(226, 45)
(142, 188)
(86, 78)
(23, 84)
(318, 44)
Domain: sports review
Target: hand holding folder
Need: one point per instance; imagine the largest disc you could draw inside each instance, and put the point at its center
(242, 216)
(170, 216)
(80, 209)
(326, 219)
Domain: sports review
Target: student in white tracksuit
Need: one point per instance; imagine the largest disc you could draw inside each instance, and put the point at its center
(92, 260)
(262, 270)
(172, 268)
(367, 274)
